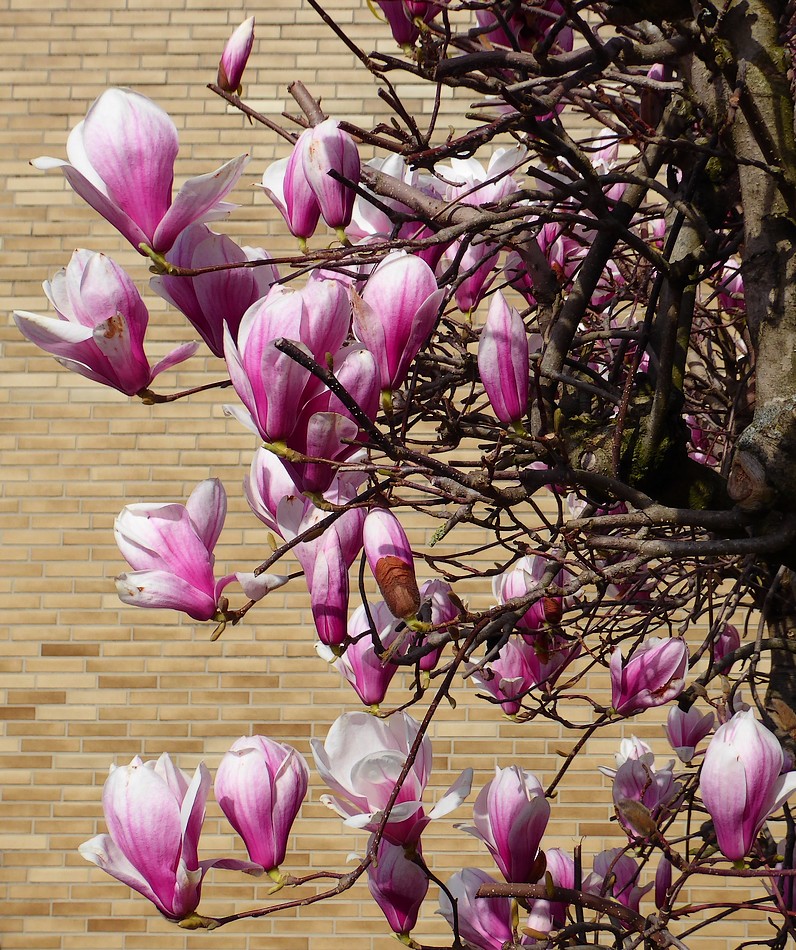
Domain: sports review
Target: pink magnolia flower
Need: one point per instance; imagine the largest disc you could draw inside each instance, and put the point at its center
(503, 361)
(654, 674)
(438, 595)
(528, 26)
(727, 641)
(398, 885)
(213, 299)
(154, 813)
(396, 314)
(685, 730)
(522, 665)
(271, 385)
(632, 748)
(286, 184)
(740, 782)
(369, 221)
(731, 289)
(522, 577)
(637, 780)
(329, 149)
(260, 785)
(510, 816)
(277, 501)
(616, 875)
(472, 184)
(403, 14)
(235, 56)
(361, 665)
(121, 162)
(361, 760)
(544, 914)
(390, 560)
(99, 331)
(170, 548)
(663, 882)
(484, 924)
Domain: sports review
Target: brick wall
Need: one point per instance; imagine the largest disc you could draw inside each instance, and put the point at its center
(86, 682)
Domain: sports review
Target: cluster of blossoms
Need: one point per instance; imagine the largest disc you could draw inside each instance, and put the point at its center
(154, 812)
(365, 328)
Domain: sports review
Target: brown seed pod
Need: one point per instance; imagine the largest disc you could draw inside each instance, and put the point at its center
(398, 586)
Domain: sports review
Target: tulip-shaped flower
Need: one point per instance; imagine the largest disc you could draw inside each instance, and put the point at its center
(121, 162)
(219, 297)
(727, 641)
(685, 730)
(271, 385)
(522, 577)
(402, 14)
(396, 314)
(277, 501)
(170, 548)
(637, 780)
(360, 761)
(508, 677)
(235, 56)
(503, 361)
(484, 924)
(260, 785)
(398, 885)
(740, 782)
(286, 184)
(654, 674)
(472, 184)
(616, 875)
(361, 665)
(438, 595)
(527, 25)
(663, 882)
(510, 816)
(544, 914)
(390, 559)
(329, 149)
(99, 332)
(154, 813)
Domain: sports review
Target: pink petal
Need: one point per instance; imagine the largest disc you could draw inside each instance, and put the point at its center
(197, 198)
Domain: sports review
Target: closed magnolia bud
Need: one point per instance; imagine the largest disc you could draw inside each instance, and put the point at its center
(235, 56)
(390, 559)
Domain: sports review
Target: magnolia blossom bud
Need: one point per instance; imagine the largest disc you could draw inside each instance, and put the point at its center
(329, 149)
(503, 361)
(740, 782)
(390, 559)
(727, 641)
(510, 817)
(260, 785)
(235, 56)
(684, 730)
(398, 885)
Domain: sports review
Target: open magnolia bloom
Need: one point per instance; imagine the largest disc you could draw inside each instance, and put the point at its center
(100, 327)
(154, 813)
(121, 162)
(361, 760)
(170, 548)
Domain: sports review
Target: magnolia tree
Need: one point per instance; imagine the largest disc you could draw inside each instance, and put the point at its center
(587, 297)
